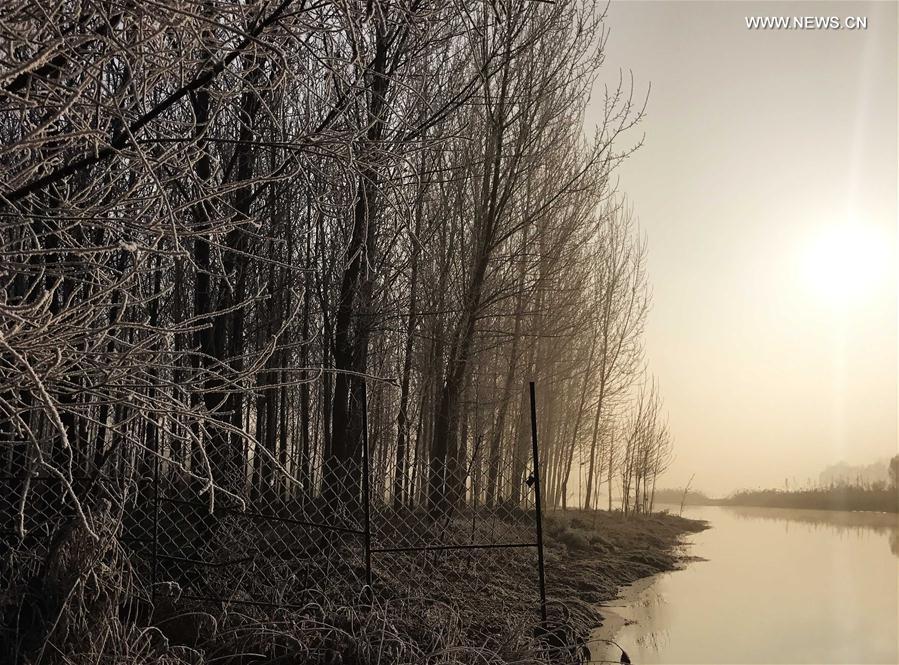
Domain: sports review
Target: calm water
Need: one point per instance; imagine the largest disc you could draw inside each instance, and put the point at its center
(777, 586)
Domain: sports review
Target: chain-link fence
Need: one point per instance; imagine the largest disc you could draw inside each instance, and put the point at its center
(264, 537)
(448, 549)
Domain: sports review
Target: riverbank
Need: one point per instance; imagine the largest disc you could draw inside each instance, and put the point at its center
(591, 556)
(487, 611)
(484, 611)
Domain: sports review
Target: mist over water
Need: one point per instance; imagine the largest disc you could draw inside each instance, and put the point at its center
(776, 586)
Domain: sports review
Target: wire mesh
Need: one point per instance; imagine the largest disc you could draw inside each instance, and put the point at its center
(263, 536)
(267, 542)
(446, 550)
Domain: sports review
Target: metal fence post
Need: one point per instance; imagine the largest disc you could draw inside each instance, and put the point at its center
(366, 488)
(154, 556)
(539, 502)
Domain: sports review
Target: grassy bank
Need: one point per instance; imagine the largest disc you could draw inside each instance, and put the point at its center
(91, 606)
(591, 555)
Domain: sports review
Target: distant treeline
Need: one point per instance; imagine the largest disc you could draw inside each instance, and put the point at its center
(837, 497)
(869, 497)
(875, 488)
(675, 495)
(855, 474)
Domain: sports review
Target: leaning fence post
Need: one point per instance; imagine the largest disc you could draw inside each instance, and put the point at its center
(539, 502)
(366, 491)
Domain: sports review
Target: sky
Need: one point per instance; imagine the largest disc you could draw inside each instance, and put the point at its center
(767, 189)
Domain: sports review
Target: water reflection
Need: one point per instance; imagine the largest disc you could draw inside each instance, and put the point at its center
(778, 586)
(655, 640)
(843, 523)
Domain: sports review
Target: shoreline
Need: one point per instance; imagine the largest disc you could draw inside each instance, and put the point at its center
(601, 643)
(624, 553)
(486, 612)
(602, 637)
(590, 557)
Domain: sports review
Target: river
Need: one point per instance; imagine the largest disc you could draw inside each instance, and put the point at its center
(773, 586)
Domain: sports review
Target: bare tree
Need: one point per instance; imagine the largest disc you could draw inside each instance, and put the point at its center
(622, 301)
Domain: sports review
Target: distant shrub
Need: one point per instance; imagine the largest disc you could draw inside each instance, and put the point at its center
(554, 526)
(598, 542)
(578, 523)
(574, 539)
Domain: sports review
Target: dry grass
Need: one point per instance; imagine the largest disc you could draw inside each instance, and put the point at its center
(84, 605)
(591, 555)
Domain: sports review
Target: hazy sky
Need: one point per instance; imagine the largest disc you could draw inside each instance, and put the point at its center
(767, 189)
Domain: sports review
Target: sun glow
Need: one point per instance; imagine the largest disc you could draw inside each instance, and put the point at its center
(849, 262)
